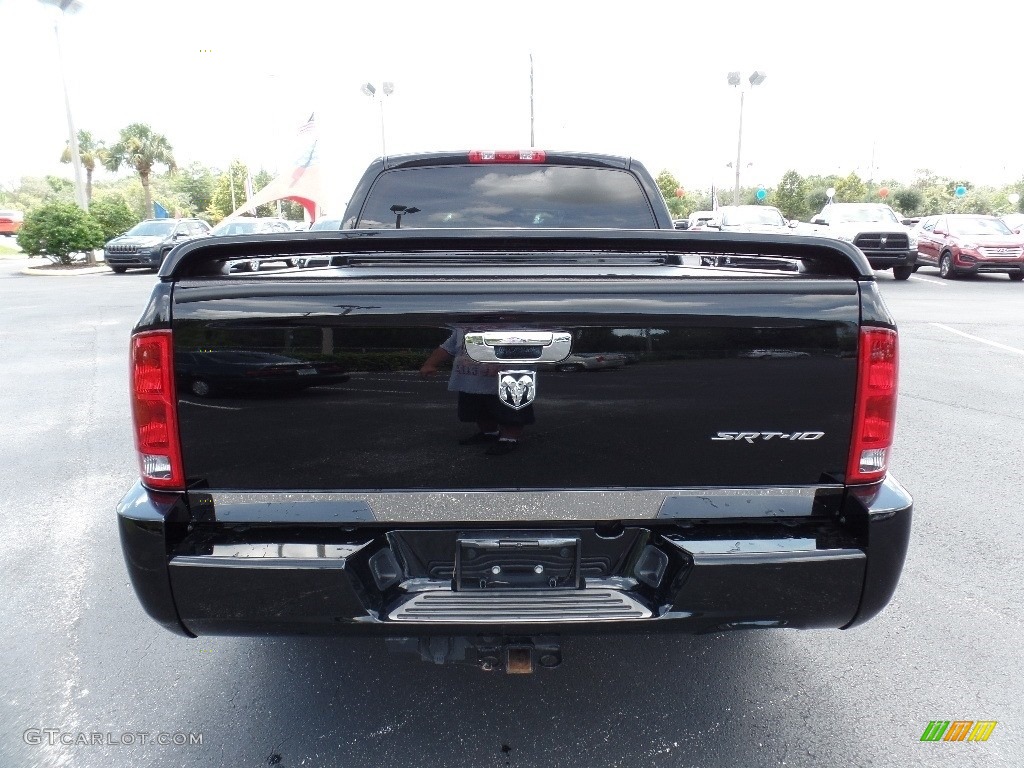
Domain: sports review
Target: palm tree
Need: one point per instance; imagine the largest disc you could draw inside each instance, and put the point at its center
(141, 149)
(90, 151)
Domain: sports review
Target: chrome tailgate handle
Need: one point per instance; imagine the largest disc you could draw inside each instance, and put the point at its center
(518, 346)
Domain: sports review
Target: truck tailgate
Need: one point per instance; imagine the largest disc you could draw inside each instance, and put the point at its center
(296, 385)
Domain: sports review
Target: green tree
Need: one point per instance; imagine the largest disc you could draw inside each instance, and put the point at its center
(679, 207)
(221, 201)
(194, 184)
(908, 201)
(113, 215)
(790, 196)
(850, 189)
(140, 148)
(58, 230)
(259, 181)
(90, 151)
(292, 210)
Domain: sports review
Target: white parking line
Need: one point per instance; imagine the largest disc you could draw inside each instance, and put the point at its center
(978, 338)
(943, 283)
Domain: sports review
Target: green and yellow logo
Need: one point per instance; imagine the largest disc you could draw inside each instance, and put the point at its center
(958, 730)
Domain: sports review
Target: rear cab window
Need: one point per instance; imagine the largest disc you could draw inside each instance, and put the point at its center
(507, 196)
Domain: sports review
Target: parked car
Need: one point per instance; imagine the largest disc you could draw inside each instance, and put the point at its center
(966, 244)
(10, 222)
(325, 224)
(749, 218)
(874, 228)
(700, 219)
(252, 226)
(147, 244)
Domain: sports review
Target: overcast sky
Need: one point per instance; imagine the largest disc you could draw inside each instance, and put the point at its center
(913, 84)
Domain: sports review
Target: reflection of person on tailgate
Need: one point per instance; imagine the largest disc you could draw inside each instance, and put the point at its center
(477, 385)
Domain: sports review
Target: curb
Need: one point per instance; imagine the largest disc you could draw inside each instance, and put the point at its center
(37, 272)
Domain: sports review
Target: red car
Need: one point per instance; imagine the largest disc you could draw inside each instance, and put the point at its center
(965, 244)
(10, 222)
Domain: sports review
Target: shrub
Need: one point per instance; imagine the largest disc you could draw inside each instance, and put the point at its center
(58, 230)
(113, 215)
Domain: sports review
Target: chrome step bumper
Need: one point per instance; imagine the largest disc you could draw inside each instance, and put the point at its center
(519, 606)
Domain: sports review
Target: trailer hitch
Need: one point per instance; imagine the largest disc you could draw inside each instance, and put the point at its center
(491, 653)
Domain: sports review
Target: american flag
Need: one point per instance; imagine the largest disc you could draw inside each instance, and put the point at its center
(308, 125)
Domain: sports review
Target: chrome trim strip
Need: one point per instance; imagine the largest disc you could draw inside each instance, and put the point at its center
(508, 506)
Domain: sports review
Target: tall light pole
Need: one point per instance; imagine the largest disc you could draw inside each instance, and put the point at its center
(756, 78)
(387, 88)
(66, 7)
(531, 101)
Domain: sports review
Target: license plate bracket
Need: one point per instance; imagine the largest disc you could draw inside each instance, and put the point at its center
(517, 561)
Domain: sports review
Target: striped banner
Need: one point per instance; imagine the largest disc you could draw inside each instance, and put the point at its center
(958, 730)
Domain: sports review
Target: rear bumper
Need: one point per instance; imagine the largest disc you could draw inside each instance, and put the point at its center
(981, 266)
(890, 259)
(683, 575)
(133, 259)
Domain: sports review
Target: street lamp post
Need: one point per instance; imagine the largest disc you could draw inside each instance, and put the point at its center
(69, 6)
(756, 78)
(387, 88)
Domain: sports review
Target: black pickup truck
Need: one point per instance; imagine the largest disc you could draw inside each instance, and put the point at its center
(663, 495)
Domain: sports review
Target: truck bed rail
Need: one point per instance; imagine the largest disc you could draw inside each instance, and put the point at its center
(817, 256)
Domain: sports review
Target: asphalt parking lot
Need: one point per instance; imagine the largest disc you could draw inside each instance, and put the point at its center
(82, 657)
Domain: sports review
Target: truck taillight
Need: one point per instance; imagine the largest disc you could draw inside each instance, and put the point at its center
(874, 419)
(154, 411)
(504, 156)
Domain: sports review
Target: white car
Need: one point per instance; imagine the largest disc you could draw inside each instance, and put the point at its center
(247, 225)
(699, 219)
(750, 218)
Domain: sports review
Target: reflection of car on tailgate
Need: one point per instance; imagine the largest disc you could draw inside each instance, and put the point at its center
(592, 361)
(206, 373)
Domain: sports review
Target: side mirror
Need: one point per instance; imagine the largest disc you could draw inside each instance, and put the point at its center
(819, 220)
(793, 224)
(682, 224)
(179, 235)
(713, 225)
(1016, 231)
(939, 231)
(908, 222)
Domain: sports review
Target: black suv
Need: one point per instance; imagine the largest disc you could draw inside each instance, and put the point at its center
(148, 242)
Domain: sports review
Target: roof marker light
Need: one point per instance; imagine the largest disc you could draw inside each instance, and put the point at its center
(507, 156)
